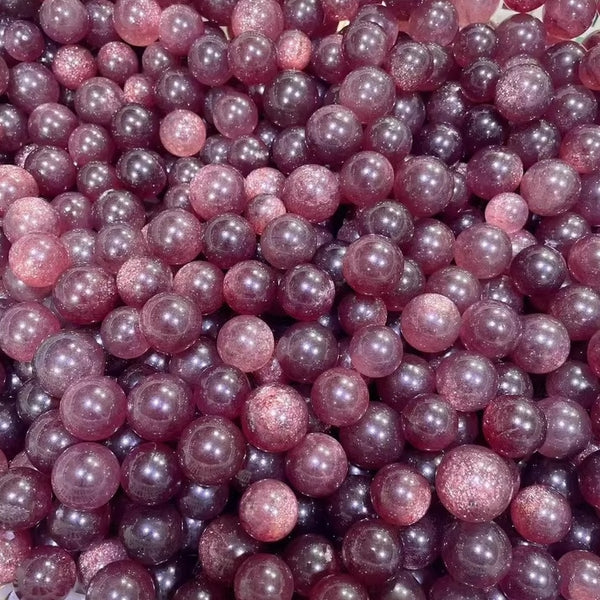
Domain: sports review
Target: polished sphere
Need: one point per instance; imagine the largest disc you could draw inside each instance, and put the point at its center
(474, 483)
(85, 476)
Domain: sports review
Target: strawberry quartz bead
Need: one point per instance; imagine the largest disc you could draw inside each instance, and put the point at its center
(97, 556)
(523, 5)
(268, 510)
(494, 170)
(550, 187)
(262, 16)
(372, 551)
(274, 417)
(568, 19)
(122, 579)
(540, 514)
(310, 558)
(30, 215)
(179, 27)
(263, 577)
(584, 260)
(339, 396)
(15, 183)
(514, 426)
(580, 148)
(72, 65)
(64, 358)
(223, 547)
(312, 192)
(466, 380)
(372, 264)
(211, 450)
(410, 64)
(14, 547)
(589, 478)
(263, 209)
(476, 554)
(216, 189)
(375, 351)
(159, 407)
(85, 294)
(579, 575)
(430, 323)
(121, 334)
(317, 466)
(182, 133)
(24, 327)
(293, 50)
(338, 586)
(483, 250)
(38, 259)
(170, 322)
(137, 21)
(474, 484)
(429, 422)
(376, 439)
(141, 278)
(507, 211)
(533, 575)
(479, 12)
(93, 408)
(246, 342)
(424, 185)
(202, 282)
(400, 495)
(543, 346)
(85, 476)
(569, 427)
(589, 69)
(25, 499)
(434, 21)
(47, 572)
(523, 93)
(46, 439)
(64, 21)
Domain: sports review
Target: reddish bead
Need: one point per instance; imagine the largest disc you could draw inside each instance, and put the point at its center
(274, 417)
(540, 514)
(400, 495)
(474, 483)
(268, 510)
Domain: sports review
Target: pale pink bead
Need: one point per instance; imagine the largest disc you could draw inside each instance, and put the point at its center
(15, 183)
(38, 259)
(73, 65)
(293, 50)
(182, 133)
(507, 211)
(137, 21)
(139, 89)
(263, 16)
(263, 209)
(265, 180)
(30, 215)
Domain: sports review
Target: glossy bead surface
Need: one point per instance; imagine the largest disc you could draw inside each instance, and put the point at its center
(47, 571)
(85, 476)
(268, 510)
(211, 450)
(474, 483)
